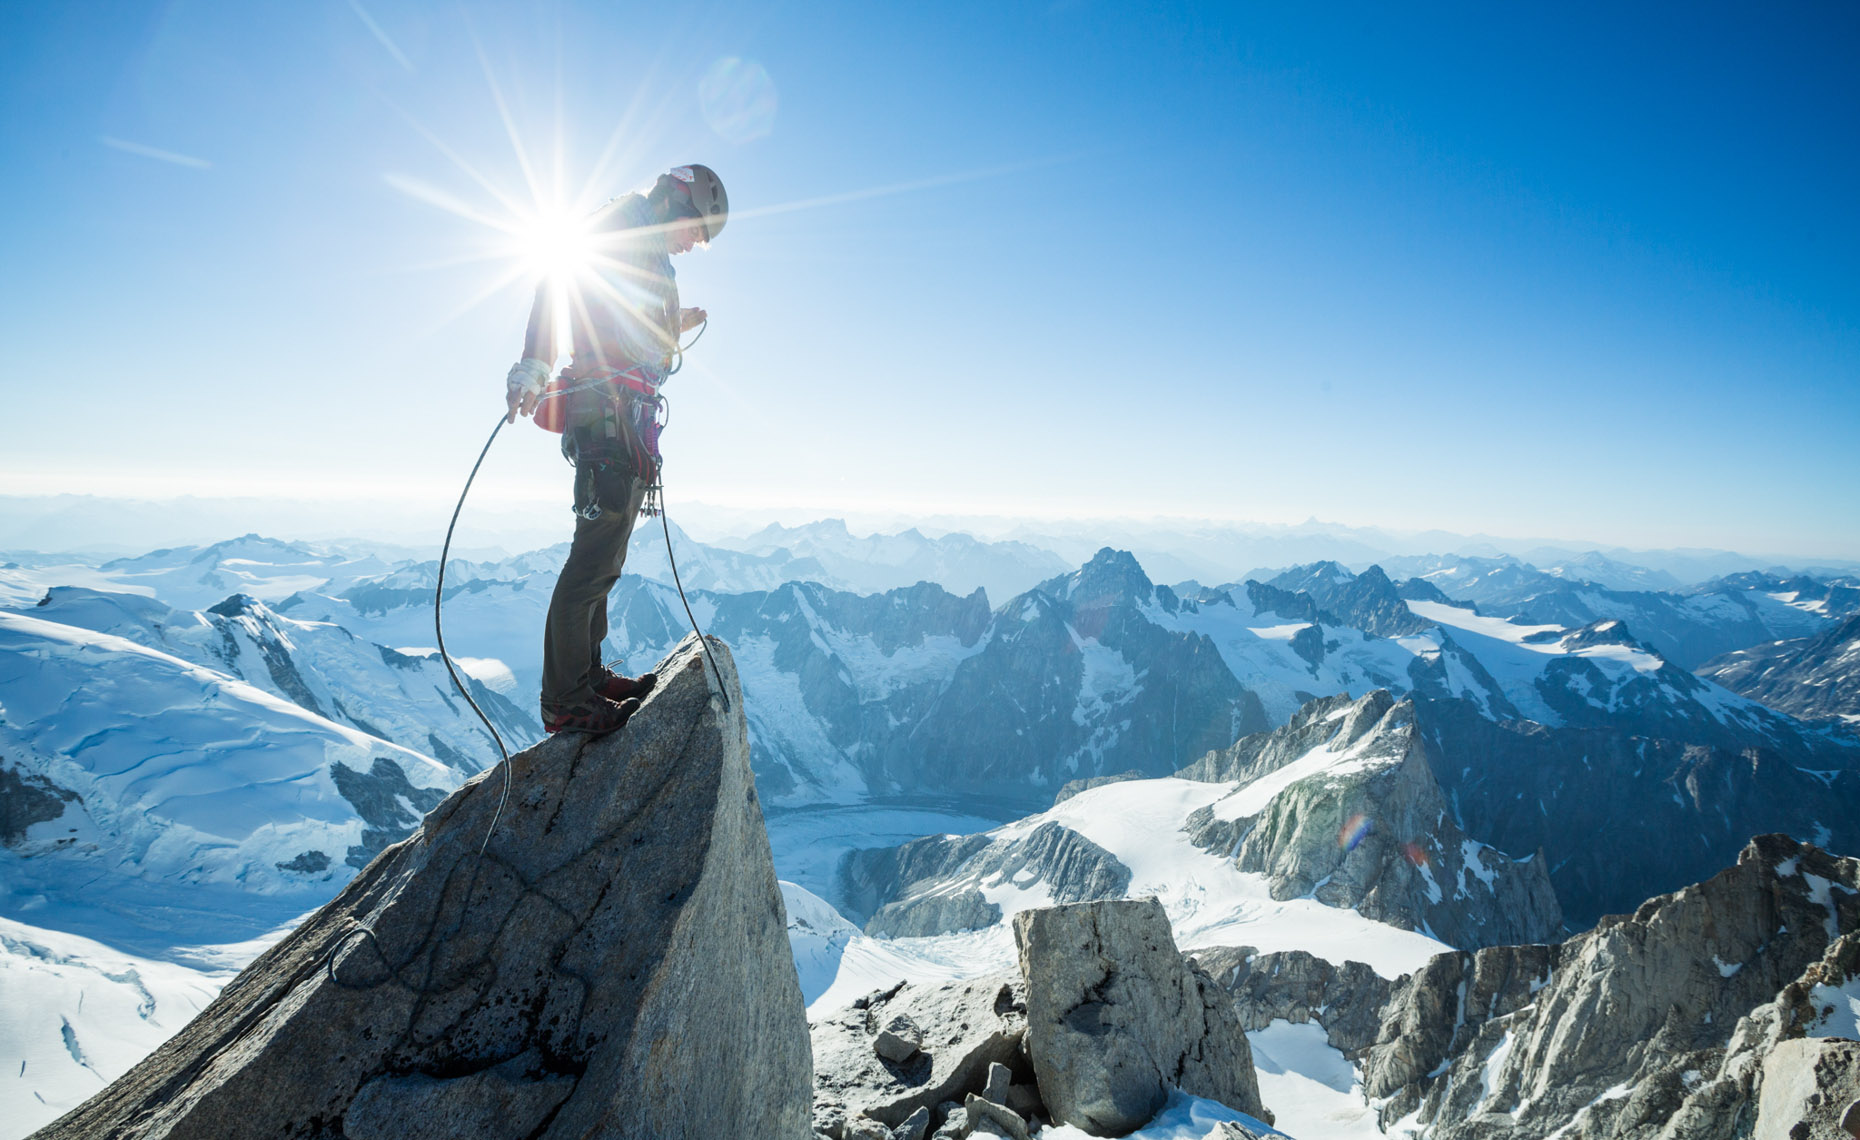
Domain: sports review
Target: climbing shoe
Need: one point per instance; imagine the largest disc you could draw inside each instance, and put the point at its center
(596, 717)
(615, 687)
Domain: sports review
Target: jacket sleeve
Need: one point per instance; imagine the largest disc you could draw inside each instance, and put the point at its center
(539, 340)
(627, 309)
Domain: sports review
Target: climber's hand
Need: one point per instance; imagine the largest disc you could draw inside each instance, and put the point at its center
(524, 386)
(689, 319)
(521, 403)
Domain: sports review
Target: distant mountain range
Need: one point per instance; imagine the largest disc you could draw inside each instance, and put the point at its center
(1088, 673)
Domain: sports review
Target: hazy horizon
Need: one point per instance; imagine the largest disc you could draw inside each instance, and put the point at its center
(140, 526)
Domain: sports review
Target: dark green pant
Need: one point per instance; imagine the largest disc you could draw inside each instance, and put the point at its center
(577, 620)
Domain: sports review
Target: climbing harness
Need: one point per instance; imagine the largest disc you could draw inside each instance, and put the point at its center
(613, 432)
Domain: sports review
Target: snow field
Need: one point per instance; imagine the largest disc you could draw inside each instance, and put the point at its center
(183, 773)
(817, 936)
(1313, 1092)
(1209, 903)
(75, 1014)
(1256, 648)
(1838, 1008)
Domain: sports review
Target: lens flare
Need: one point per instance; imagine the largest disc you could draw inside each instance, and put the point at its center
(1415, 855)
(1355, 830)
(738, 99)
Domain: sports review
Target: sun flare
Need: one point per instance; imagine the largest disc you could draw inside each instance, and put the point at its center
(554, 244)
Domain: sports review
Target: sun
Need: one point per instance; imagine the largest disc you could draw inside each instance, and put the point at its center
(553, 243)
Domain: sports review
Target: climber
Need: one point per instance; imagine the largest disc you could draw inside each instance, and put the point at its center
(625, 325)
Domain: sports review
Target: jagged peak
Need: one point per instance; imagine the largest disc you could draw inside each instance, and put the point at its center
(1606, 631)
(1329, 708)
(1305, 576)
(1111, 576)
(237, 605)
(1375, 577)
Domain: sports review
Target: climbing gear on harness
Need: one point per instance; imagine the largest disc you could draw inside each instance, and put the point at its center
(597, 716)
(705, 190)
(616, 687)
(610, 420)
(612, 383)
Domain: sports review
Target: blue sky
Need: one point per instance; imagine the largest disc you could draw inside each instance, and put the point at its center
(1557, 271)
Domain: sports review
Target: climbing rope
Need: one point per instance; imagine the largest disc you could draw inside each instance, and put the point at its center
(439, 633)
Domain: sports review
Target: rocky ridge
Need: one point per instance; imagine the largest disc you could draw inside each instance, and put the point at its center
(1342, 805)
(1291, 985)
(938, 884)
(1654, 1024)
(492, 981)
(1622, 815)
(1812, 677)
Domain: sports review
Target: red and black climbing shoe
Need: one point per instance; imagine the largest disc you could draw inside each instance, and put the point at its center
(615, 687)
(596, 717)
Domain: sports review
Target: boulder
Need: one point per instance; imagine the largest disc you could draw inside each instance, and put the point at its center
(1003, 1120)
(966, 1027)
(864, 1128)
(955, 1123)
(603, 955)
(899, 1039)
(1000, 1077)
(1116, 1018)
(1025, 1100)
(915, 1127)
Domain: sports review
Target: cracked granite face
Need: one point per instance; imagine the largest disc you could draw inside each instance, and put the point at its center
(591, 969)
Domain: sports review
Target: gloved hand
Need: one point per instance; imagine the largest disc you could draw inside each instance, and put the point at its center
(523, 388)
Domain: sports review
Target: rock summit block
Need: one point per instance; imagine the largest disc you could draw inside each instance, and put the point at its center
(614, 964)
(1116, 1018)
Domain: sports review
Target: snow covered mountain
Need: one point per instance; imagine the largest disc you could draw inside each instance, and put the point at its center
(1342, 805)
(1811, 677)
(404, 698)
(135, 779)
(79, 1013)
(1687, 627)
(1101, 671)
(1483, 772)
(263, 568)
(162, 821)
(1340, 808)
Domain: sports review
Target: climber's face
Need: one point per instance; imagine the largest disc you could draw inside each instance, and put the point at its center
(685, 237)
